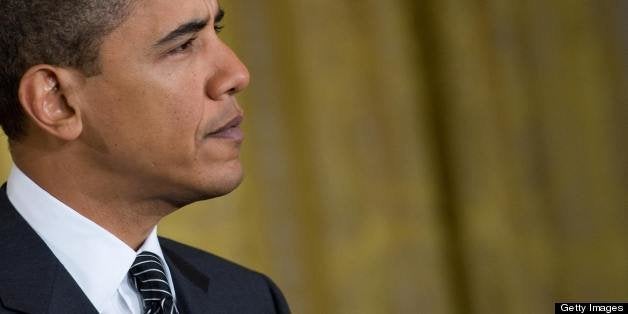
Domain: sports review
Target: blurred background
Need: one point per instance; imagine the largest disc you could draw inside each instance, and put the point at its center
(428, 156)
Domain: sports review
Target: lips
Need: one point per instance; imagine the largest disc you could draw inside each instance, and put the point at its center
(231, 130)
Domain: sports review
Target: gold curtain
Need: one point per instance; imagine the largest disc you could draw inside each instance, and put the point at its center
(435, 156)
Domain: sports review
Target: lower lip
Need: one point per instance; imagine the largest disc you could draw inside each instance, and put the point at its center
(234, 134)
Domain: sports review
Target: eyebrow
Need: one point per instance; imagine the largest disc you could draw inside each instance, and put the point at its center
(193, 26)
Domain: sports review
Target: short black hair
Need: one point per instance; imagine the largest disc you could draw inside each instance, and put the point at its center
(64, 33)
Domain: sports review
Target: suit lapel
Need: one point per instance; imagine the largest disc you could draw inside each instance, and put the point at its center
(67, 296)
(191, 286)
(32, 279)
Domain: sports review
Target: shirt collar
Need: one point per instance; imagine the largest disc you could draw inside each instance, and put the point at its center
(97, 260)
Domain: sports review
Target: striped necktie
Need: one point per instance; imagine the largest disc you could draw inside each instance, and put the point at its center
(149, 278)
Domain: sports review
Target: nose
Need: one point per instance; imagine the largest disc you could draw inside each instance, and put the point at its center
(230, 75)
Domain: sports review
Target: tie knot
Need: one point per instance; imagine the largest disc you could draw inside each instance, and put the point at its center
(150, 280)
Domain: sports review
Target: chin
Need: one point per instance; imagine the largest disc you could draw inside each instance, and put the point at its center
(218, 184)
(208, 183)
(226, 186)
(204, 191)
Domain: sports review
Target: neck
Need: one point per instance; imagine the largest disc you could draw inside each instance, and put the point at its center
(112, 203)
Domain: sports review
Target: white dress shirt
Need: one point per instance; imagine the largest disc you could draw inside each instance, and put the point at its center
(97, 260)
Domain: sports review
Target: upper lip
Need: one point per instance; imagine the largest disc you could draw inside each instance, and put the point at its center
(235, 122)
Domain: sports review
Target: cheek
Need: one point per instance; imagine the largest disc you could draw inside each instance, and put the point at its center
(173, 96)
(167, 103)
(182, 113)
(150, 122)
(149, 111)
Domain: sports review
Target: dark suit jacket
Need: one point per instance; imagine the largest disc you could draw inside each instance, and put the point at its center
(33, 281)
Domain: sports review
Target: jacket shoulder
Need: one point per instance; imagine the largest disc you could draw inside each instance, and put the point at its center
(205, 262)
(236, 281)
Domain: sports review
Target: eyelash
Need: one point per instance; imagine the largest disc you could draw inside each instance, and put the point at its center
(218, 28)
(184, 47)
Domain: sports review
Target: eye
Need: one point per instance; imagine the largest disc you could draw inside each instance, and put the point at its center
(218, 28)
(183, 47)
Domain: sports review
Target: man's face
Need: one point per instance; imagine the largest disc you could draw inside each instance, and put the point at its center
(162, 114)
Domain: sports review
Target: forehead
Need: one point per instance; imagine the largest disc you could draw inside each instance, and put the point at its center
(163, 10)
(151, 18)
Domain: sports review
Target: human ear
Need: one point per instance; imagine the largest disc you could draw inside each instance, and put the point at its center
(42, 95)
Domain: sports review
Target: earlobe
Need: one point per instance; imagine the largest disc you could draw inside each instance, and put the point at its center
(42, 96)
